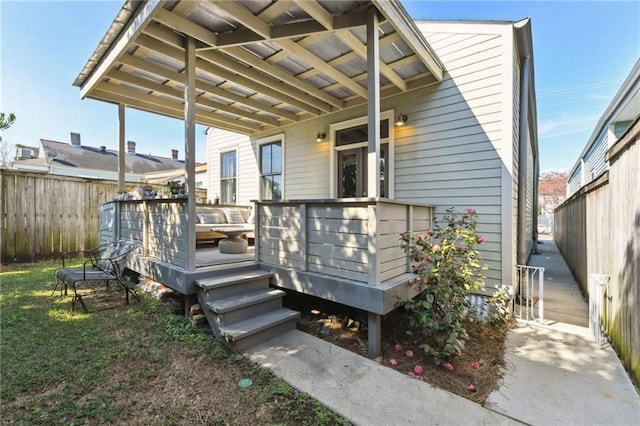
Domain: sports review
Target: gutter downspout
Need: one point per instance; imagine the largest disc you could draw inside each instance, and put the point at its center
(522, 162)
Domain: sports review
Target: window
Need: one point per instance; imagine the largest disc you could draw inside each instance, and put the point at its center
(271, 170)
(228, 174)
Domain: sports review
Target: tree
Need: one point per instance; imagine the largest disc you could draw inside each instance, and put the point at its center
(552, 189)
(5, 150)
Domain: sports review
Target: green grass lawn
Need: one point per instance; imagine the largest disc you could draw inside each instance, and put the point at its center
(136, 364)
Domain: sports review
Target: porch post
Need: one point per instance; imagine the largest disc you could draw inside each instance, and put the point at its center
(375, 334)
(190, 147)
(373, 106)
(121, 152)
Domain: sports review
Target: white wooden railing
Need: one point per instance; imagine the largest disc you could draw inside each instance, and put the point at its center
(357, 239)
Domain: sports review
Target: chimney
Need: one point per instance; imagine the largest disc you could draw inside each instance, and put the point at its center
(131, 147)
(103, 148)
(174, 154)
(75, 139)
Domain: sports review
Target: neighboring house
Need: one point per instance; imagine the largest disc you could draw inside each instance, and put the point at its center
(292, 93)
(615, 120)
(74, 159)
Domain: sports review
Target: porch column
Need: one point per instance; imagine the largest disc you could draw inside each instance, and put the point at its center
(373, 106)
(375, 334)
(190, 146)
(121, 151)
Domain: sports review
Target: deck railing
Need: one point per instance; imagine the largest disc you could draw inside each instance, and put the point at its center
(352, 239)
(159, 225)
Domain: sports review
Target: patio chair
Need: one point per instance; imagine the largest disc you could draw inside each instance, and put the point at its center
(102, 265)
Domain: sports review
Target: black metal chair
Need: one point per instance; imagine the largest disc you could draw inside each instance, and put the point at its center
(103, 264)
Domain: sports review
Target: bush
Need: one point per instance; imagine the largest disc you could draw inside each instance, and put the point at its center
(448, 266)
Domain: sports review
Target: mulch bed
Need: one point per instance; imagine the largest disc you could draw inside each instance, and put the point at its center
(347, 327)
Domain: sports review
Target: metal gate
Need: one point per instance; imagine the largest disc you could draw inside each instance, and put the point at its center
(530, 293)
(598, 306)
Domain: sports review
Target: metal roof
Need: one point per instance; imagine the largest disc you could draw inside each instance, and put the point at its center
(260, 64)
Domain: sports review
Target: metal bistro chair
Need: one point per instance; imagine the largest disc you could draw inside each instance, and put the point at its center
(103, 264)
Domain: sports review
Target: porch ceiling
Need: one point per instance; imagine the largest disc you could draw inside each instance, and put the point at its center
(260, 64)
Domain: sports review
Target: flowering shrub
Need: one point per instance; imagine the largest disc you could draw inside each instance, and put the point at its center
(448, 266)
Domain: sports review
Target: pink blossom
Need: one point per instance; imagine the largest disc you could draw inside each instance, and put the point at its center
(435, 248)
(448, 366)
(480, 239)
(471, 211)
(409, 353)
(402, 234)
(398, 347)
(420, 237)
(471, 388)
(475, 365)
(454, 266)
(393, 362)
(429, 232)
(412, 374)
(426, 260)
(418, 369)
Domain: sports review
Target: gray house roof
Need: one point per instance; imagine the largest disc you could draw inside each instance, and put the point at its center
(88, 157)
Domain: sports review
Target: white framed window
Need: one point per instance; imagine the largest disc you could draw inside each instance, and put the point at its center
(348, 159)
(228, 177)
(271, 161)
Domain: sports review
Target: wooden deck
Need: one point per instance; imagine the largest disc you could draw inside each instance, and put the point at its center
(344, 250)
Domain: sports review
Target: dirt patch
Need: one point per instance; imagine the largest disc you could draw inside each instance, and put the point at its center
(480, 364)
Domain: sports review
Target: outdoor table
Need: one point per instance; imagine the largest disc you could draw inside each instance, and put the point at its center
(234, 243)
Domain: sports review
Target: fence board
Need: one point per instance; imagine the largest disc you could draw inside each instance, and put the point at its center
(45, 215)
(597, 230)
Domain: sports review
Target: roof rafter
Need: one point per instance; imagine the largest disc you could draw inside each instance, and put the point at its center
(200, 100)
(360, 49)
(176, 77)
(172, 51)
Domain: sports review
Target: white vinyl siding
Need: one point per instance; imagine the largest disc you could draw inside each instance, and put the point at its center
(449, 154)
(220, 141)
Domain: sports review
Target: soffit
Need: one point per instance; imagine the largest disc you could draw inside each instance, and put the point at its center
(260, 64)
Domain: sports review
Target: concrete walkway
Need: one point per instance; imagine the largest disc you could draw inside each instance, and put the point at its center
(556, 374)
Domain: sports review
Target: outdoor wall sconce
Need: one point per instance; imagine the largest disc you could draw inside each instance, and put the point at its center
(321, 136)
(402, 119)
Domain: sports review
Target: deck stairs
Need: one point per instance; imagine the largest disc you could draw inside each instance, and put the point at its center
(241, 308)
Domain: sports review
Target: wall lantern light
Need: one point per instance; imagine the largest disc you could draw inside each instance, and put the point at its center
(402, 119)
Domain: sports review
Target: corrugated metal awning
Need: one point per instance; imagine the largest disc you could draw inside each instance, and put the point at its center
(261, 64)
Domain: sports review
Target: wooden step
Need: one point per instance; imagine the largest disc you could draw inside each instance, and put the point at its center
(250, 332)
(224, 286)
(232, 303)
(244, 306)
(231, 279)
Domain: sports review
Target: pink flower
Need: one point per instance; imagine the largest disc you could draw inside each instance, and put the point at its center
(480, 239)
(398, 347)
(393, 362)
(471, 388)
(454, 266)
(429, 232)
(475, 365)
(471, 211)
(426, 260)
(448, 366)
(435, 248)
(409, 353)
(418, 369)
(412, 374)
(402, 234)
(421, 237)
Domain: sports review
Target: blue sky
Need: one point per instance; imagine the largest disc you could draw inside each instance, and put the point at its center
(583, 51)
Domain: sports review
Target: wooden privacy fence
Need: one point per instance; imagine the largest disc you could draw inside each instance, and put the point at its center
(45, 215)
(598, 233)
